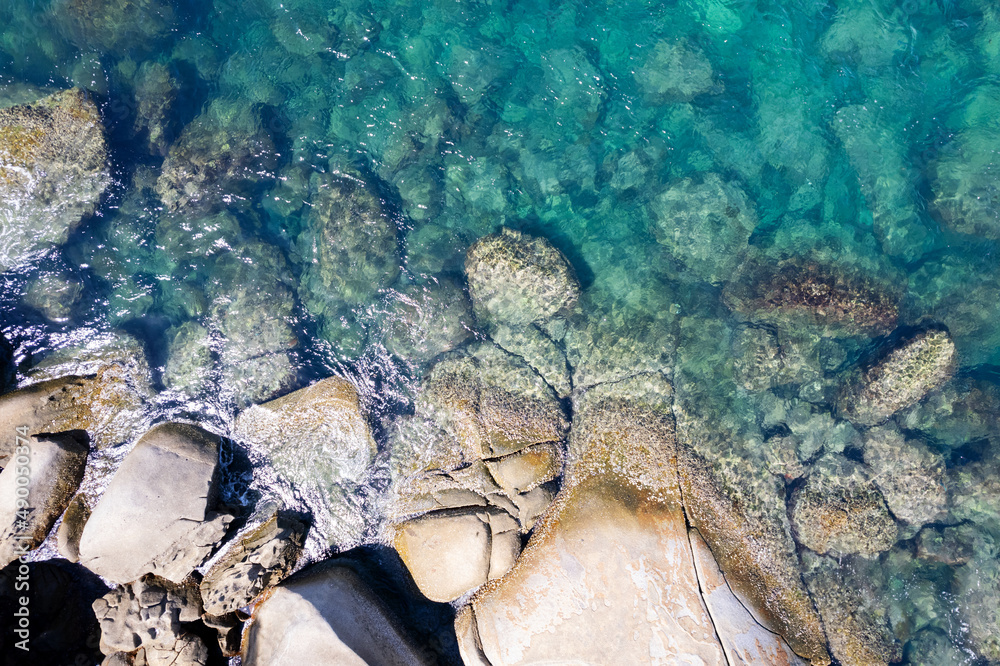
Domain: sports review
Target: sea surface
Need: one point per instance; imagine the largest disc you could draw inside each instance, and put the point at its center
(864, 132)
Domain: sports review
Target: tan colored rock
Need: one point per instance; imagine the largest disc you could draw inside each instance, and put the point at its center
(611, 559)
(326, 616)
(71, 529)
(527, 469)
(744, 639)
(758, 559)
(449, 553)
(318, 432)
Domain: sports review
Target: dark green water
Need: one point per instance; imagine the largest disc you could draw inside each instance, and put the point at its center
(865, 132)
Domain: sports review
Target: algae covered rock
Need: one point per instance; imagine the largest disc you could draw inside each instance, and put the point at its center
(798, 291)
(53, 171)
(217, 159)
(899, 378)
(518, 279)
(853, 610)
(839, 509)
(348, 247)
(966, 194)
(114, 24)
(676, 72)
(704, 222)
(910, 475)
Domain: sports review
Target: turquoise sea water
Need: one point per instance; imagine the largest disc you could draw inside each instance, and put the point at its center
(863, 132)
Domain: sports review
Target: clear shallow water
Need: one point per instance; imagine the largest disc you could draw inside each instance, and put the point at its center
(850, 129)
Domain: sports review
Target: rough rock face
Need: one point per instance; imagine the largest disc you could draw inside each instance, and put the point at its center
(317, 439)
(71, 529)
(898, 380)
(257, 560)
(743, 638)
(54, 169)
(157, 514)
(325, 616)
(518, 279)
(853, 613)
(910, 475)
(622, 504)
(474, 469)
(53, 466)
(348, 247)
(798, 292)
(218, 155)
(149, 613)
(704, 223)
(839, 509)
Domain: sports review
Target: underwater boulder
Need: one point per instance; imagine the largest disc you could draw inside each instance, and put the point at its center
(55, 295)
(424, 320)
(910, 475)
(898, 379)
(853, 609)
(55, 169)
(964, 182)
(217, 160)
(155, 92)
(519, 279)
(840, 510)
(704, 223)
(158, 513)
(676, 72)
(348, 248)
(114, 25)
(798, 292)
(318, 441)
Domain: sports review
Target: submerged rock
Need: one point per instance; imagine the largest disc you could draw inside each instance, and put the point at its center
(838, 509)
(348, 247)
(54, 169)
(317, 440)
(704, 223)
(796, 292)
(53, 467)
(518, 279)
(964, 182)
(55, 295)
(899, 379)
(218, 157)
(853, 611)
(113, 25)
(326, 616)
(426, 320)
(910, 475)
(155, 92)
(157, 514)
(676, 72)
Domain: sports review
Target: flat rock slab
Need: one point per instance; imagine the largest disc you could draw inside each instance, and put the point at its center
(325, 617)
(609, 562)
(156, 514)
